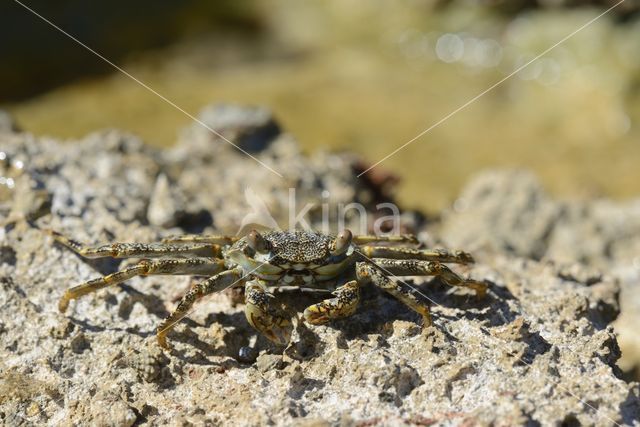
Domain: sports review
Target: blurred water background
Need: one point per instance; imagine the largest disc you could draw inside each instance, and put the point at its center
(359, 75)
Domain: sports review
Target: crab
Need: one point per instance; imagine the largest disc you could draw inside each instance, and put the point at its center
(262, 262)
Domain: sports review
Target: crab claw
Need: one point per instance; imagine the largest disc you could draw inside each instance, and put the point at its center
(277, 329)
(316, 315)
(344, 304)
(280, 335)
(271, 322)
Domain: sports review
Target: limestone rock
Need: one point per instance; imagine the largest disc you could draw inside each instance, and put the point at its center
(539, 349)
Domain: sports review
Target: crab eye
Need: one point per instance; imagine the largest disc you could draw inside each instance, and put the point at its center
(257, 242)
(342, 242)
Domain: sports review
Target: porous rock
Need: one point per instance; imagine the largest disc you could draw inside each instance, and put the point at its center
(510, 212)
(504, 215)
(539, 349)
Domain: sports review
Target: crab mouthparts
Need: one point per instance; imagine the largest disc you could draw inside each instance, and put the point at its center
(304, 272)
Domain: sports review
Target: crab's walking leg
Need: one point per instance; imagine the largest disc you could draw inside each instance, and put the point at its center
(213, 284)
(367, 273)
(261, 313)
(401, 239)
(197, 238)
(142, 250)
(344, 304)
(439, 255)
(429, 268)
(188, 266)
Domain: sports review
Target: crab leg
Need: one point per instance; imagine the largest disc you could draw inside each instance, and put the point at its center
(429, 268)
(440, 255)
(261, 313)
(367, 273)
(204, 266)
(197, 238)
(401, 239)
(213, 284)
(141, 250)
(344, 304)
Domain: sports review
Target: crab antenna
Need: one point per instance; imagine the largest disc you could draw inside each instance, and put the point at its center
(342, 242)
(257, 242)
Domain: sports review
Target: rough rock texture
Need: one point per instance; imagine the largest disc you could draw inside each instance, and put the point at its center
(538, 350)
(509, 212)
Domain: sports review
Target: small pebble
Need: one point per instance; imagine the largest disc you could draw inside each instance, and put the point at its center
(269, 362)
(247, 354)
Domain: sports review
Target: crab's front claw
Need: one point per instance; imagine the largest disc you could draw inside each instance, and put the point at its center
(316, 315)
(276, 328)
(279, 334)
(344, 304)
(271, 322)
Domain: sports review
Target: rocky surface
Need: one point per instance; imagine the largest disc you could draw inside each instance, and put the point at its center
(510, 212)
(540, 349)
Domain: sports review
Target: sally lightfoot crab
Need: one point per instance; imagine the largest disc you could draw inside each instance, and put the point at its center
(262, 262)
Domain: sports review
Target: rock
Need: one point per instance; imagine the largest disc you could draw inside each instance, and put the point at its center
(107, 409)
(510, 211)
(164, 207)
(79, 343)
(287, 182)
(539, 349)
(150, 364)
(7, 255)
(250, 128)
(247, 354)
(268, 362)
(501, 212)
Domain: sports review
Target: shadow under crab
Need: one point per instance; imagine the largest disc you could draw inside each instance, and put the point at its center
(263, 263)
